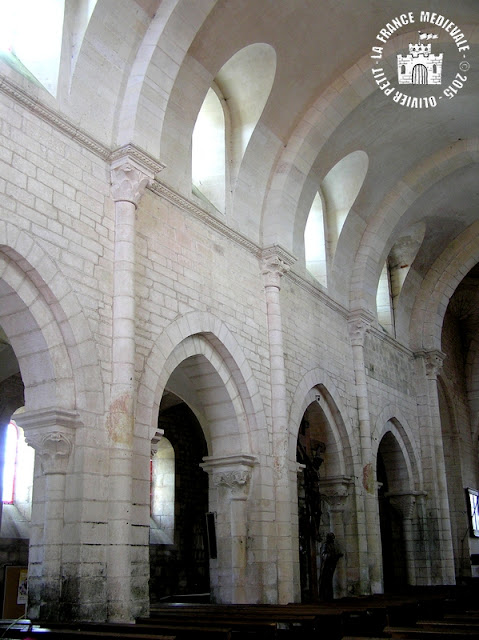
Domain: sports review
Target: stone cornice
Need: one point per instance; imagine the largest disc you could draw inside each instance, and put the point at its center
(131, 154)
(163, 191)
(53, 118)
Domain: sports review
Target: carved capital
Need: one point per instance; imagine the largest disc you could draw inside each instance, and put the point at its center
(132, 171)
(51, 432)
(276, 261)
(54, 449)
(335, 491)
(433, 361)
(358, 325)
(403, 502)
(231, 472)
(155, 442)
(128, 184)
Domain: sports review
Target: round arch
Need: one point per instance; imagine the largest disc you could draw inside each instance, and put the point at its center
(47, 328)
(377, 239)
(438, 287)
(202, 336)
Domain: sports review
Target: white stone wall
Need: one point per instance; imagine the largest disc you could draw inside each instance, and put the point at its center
(199, 291)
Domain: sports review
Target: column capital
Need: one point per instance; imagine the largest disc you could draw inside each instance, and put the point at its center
(232, 472)
(275, 262)
(359, 323)
(132, 170)
(335, 491)
(51, 432)
(433, 361)
(404, 502)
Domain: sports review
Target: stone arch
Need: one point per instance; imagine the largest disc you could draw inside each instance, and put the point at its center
(472, 381)
(378, 238)
(140, 119)
(391, 420)
(46, 325)
(438, 286)
(312, 385)
(202, 335)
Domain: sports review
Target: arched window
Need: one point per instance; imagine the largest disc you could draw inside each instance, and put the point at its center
(403, 69)
(340, 189)
(314, 242)
(10, 463)
(384, 301)
(227, 119)
(19, 460)
(31, 38)
(162, 514)
(208, 151)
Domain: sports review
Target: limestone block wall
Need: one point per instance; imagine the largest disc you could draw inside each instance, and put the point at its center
(200, 297)
(56, 237)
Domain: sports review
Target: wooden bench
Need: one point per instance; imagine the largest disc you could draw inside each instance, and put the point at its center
(262, 619)
(417, 633)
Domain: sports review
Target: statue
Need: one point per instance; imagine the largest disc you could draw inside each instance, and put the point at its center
(329, 559)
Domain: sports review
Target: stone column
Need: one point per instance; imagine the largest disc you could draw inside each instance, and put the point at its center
(336, 491)
(231, 477)
(51, 432)
(368, 527)
(275, 263)
(435, 482)
(131, 172)
(404, 502)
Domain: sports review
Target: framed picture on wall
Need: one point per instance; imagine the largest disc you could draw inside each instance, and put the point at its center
(473, 510)
(15, 592)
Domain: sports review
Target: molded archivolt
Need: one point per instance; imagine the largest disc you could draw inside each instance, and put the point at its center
(200, 361)
(227, 119)
(390, 421)
(46, 327)
(310, 390)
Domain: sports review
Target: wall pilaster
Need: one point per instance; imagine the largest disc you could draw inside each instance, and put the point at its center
(370, 564)
(131, 173)
(275, 263)
(429, 365)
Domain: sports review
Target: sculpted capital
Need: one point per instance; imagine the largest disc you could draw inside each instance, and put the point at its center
(132, 171)
(128, 183)
(51, 432)
(276, 261)
(231, 472)
(433, 362)
(54, 449)
(358, 325)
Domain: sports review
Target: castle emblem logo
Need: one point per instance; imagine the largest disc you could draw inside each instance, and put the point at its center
(420, 66)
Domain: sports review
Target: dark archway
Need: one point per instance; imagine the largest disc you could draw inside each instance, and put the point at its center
(317, 451)
(391, 470)
(179, 562)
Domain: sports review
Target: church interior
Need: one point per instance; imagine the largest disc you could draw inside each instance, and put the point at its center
(239, 286)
